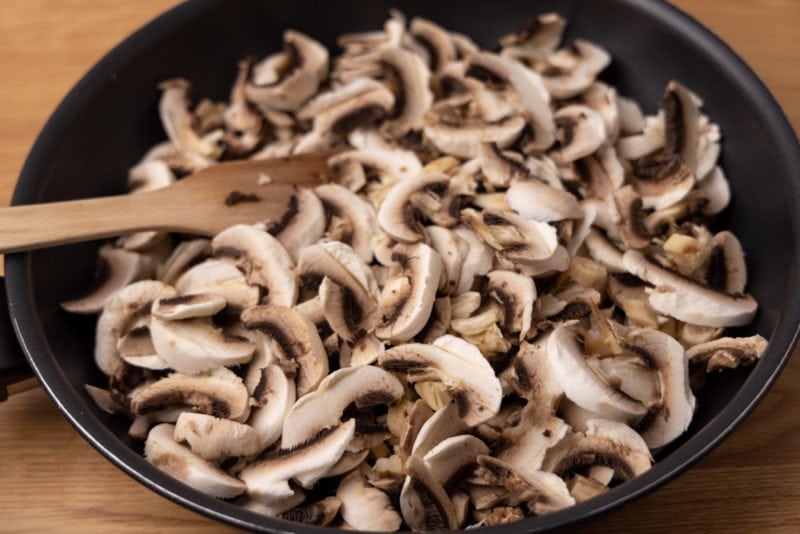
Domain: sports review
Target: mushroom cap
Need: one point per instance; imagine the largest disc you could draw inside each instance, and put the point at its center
(456, 363)
(267, 478)
(688, 301)
(296, 337)
(365, 385)
(262, 258)
(179, 462)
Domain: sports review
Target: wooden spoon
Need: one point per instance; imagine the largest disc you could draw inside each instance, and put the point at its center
(203, 203)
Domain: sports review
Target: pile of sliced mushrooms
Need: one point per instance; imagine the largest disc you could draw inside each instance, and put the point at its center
(500, 305)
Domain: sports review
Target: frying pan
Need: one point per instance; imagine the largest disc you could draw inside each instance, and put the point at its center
(109, 120)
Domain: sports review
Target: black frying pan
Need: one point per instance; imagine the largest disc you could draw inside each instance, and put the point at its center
(109, 119)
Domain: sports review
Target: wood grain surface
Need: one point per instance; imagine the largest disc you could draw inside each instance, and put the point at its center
(52, 480)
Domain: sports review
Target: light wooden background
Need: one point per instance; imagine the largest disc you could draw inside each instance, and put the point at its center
(52, 480)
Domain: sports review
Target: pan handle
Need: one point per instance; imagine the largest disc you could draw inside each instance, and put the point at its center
(15, 373)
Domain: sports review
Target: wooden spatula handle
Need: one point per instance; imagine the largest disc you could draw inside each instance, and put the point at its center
(35, 226)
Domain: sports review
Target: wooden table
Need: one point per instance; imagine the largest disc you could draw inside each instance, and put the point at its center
(53, 480)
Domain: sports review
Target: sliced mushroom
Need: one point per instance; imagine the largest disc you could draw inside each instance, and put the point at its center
(573, 69)
(178, 121)
(452, 457)
(399, 214)
(407, 310)
(118, 317)
(188, 306)
(644, 141)
(516, 294)
(607, 443)
(580, 131)
(727, 270)
(285, 81)
(262, 258)
(348, 291)
(456, 363)
(516, 240)
(365, 507)
(688, 301)
(540, 36)
(727, 352)
(670, 416)
(184, 255)
(716, 190)
(213, 438)
(436, 40)
(179, 462)
(680, 123)
(581, 384)
(296, 337)
(274, 394)
(462, 137)
(453, 250)
(193, 346)
(365, 386)
(424, 503)
(267, 478)
(411, 79)
(320, 513)
(302, 224)
(352, 220)
(661, 182)
(217, 277)
(220, 393)
(116, 269)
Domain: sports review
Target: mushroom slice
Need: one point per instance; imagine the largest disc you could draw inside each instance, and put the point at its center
(364, 350)
(633, 228)
(604, 251)
(184, 255)
(118, 317)
(463, 137)
(540, 36)
(607, 443)
(361, 103)
(580, 131)
(179, 462)
(267, 478)
(514, 239)
(411, 79)
(220, 393)
(574, 69)
(244, 125)
(680, 123)
(302, 224)
(716, 190)
(287, 80)
(371, 152)
(643, 144)
(399, 214)
(365, 507)
(424, 503)
(527, 195)
(727, 352)
(217, 277)
(688, 301)
(581, 384)
(407, 312)
(436, 40)
(453, 249)
(116, 269)
(727, 270)
(365, 386)
(351, 219)
(213, 438)
(661, 181)
(188, 306)
(274, 394)
(528, 89)
(193, 346)
(348, 291)
(262, 258)
(670, 416)
(545, 492)
(456, 363)
(452, 457)
(320, 513)
(296, 337)
(516, 294)
(178, 121)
